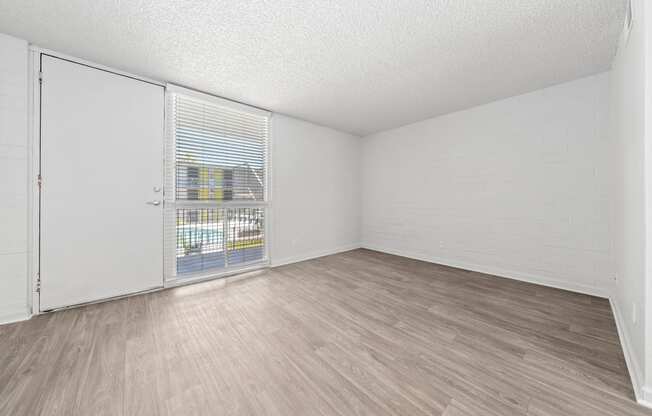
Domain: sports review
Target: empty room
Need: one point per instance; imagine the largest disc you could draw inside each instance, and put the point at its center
(389, 207)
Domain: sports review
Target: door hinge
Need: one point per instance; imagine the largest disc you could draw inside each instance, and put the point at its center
(39, 181)
(40, 77)
(38, 283)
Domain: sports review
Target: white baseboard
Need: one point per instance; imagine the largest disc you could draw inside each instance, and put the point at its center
(9, 315)
(495, 271)
(646, 399)
(633, 365)
(314, 255)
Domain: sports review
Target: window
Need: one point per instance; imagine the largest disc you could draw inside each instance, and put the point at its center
(217, 168)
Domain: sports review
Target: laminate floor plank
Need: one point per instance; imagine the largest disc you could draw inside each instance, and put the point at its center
(357, 333)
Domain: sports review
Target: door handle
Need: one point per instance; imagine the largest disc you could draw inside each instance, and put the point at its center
(155, 203)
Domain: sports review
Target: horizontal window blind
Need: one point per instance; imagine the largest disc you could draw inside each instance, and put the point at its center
(215, 218)
(221, 153)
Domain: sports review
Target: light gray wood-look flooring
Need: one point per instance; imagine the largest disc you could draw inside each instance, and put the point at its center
(358, 333)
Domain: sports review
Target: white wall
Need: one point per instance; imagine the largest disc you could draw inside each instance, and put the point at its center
(13, 179)
(646, 8)
(315, 190)
(518, 188)
(627, 97)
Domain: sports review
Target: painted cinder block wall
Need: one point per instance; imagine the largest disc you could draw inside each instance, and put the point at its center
(14, 197)
(519, 187)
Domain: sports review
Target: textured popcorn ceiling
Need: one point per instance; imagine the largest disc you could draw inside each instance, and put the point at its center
(359, 66)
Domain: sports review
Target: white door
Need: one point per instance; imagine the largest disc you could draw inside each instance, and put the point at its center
(101, 233)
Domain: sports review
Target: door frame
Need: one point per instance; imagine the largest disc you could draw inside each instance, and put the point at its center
(34, 163)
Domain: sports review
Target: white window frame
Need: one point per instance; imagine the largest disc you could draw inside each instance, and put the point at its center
(169, 197)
